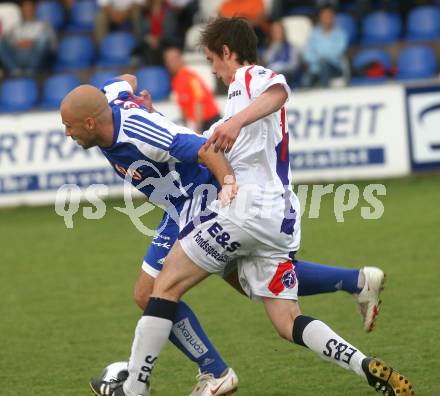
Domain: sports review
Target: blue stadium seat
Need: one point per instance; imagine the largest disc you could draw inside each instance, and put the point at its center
(82, 16)
(347, 23)
(56, 88)
(74, 52)
(417, 62)
(115, 49)
(156, 79)
(19, 94)
(423, 23)
(381, 28)
(365, 56)
(51, 12)
(368, 56)
(362, 81)
(100, 77)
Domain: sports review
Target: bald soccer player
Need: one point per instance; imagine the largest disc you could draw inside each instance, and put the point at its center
(126, 132)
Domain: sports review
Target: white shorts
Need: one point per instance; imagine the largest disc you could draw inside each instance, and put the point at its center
(263, 270)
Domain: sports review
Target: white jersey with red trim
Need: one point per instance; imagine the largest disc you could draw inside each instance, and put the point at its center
(260, 159)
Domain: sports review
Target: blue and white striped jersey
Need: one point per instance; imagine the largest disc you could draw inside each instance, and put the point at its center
(161, 157)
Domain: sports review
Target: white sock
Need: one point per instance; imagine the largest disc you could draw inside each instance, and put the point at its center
(326, 343)
(150, 337)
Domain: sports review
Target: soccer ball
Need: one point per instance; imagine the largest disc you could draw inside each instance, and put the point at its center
(115, 372)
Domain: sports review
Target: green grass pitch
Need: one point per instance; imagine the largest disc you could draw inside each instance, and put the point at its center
(67, 310)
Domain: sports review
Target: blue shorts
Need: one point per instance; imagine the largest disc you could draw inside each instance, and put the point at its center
(169, 231)
(160, 246)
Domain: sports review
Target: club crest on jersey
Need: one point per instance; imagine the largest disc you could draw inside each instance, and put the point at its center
(289, 279)
(284, 278)
(127, 104)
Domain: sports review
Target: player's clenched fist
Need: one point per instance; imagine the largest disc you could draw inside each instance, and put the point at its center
(228, 191)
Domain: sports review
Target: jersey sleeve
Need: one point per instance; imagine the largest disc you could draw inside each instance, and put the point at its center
(161, 140)
(114, 89)
(211, 129)
(185, 147)
(257, 79)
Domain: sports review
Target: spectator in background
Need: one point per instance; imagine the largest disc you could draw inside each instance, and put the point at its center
(181, 17)
(280, 55)
(10, 15)
(195, 100)
(253, 10)
(156, 29)
(324, 52)
(26, 47)
(114, 15)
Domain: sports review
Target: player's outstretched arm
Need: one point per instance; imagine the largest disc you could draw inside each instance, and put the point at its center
(223, 172)
(268, 102)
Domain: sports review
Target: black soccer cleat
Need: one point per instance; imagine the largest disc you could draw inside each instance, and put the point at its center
(104, 388)
(385, 379)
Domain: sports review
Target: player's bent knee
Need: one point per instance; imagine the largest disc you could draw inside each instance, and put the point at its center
(285, 331)
(143, 289)
(178, 275)
(167, 287)
(282, 314)
(141, 299)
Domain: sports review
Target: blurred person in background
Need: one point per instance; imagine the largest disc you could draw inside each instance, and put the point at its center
(157, 26)
(9, 15)
(162, 22)
(280, 55)
(26, 47)
(115, 15)
(252, 10)
(325, 49)
(181, 16)
(196, 101)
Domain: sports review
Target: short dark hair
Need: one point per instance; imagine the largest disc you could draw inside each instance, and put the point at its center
(234, 32)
